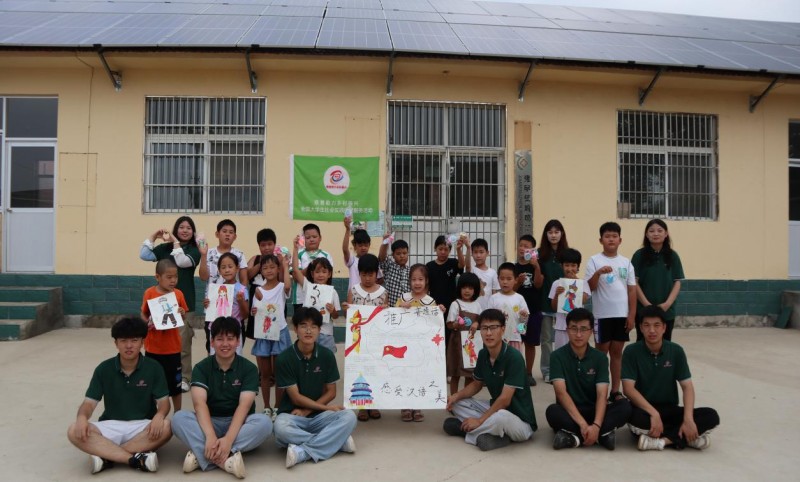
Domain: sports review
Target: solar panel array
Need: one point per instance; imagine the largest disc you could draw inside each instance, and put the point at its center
(449, 27)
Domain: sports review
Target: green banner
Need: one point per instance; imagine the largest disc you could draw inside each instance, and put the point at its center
(324, 188)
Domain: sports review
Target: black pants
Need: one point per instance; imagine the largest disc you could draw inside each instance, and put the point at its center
(667, 334)
(617, 415)
(672, 418)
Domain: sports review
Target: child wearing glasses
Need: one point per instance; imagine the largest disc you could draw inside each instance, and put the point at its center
(570, 264)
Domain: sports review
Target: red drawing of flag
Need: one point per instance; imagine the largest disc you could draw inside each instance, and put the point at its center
(395, 351)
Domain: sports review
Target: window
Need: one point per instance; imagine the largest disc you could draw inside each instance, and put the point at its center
(794, 171)
(204, 155)
(667, 165)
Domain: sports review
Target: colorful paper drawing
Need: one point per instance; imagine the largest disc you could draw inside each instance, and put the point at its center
(471, 345)
(512, 332)
(220, 301)
(317, 296)
(394, 349)
(164, 312)
(437, 338)
(572, 297)
(266, 320)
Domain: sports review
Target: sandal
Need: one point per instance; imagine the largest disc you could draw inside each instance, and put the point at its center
(363, 416)
(417, 415)
(376, 414)
(406, 416)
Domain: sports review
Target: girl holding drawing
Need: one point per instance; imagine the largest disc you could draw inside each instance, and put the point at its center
(228, 266)
(570, 286)
(319, 271)
(462, 316)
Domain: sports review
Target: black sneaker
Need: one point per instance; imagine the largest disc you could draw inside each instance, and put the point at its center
(144, 461)
(488, 442)
(452, 426)
(531, 381)
(565, 440)
(608, 440)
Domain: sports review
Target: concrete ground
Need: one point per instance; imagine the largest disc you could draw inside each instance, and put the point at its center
(748, 374)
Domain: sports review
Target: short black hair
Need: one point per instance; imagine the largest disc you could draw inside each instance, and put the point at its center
(610, 226)
(304, 314)
(368, 263)
(472, 280)
(492, 314)
(266, 235)
(399, 244)
(312, 266)
(440, 240)
(480, 243)
(571, 256)
(652, 311)
(226, 222)
(226, 325)
(529, 238)
(230, 255)
(507, 266)
(129, 327)
(580, 314)
(269, 258)
(360, 236)
(164, 264)
(311, 226)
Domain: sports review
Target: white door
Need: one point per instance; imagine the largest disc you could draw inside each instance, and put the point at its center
(28, 195)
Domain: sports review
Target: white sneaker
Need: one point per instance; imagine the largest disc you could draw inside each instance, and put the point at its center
(235, 465)
(185, 386)
(268, 412)
(294, 455)
(637, 430)
(190, 463)
(98, 464)
(650, 443)
(349, 446)
(701, 443)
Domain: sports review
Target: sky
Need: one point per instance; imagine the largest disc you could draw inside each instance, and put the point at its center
(776, 10)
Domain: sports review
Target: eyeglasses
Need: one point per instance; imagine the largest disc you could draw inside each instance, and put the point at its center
(579, 329)
(490, 328)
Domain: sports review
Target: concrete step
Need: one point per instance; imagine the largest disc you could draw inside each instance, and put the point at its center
(29, 311)
(19, 309)
(16, 329)
(17, 294)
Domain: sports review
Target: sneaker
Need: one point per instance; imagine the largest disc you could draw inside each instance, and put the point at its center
(547, 379)
(700, 443)
(452, 426)
(608, 440)
(565, 440)
(637, 430)
(144, 461)
(531, 381)
(488, 442)
(185, 386)
(99, 464)
(268, 412)
(650, 443)
(235, 465)
(190, 463)
(294, 456)
(349, 446)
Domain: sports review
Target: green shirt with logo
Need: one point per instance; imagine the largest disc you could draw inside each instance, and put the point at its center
(508, 370)
(581, 375)
(656, 374)
(311, 375)
(128, 397)
(223, 387)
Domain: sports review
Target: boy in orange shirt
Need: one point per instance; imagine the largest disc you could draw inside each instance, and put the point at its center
(164, 346)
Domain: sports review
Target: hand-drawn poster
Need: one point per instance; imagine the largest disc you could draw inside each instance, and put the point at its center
(317, 296)
(220, 301)
(471, 345)
(164, 312)
(394, 358)
(269, 313)
(572, 297)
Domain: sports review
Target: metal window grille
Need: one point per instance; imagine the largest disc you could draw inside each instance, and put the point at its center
(447, 171)
(204, 155)
(667, 165)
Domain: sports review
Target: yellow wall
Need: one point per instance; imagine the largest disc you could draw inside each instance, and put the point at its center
(337, 106)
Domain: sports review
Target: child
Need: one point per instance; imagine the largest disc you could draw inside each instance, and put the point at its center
(462, 316)
(443, 270)
(209, 260)
(267, 351)
(570, 265)
(164, 346)
(312, 237)
(508, 301)
(395, 268)
(612, 279)
(319, 271)
(529, 283)
(227, 267)
(361, 243)
(658, 274)
(486, 275)
(554, 242)
(266, 240)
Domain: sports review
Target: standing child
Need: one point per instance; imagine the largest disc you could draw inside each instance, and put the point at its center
(395, 267)
(612, 279)
(228, 268)
(361, 244)
(462, 316)
(510, 302)
(443, 271)
(312, 237)
(266, 352)
(266, 240)
(658, 274)
(164, 346)
(319, 271)
(529, 283)
(570, 265)
(554, 242)
(486, 275)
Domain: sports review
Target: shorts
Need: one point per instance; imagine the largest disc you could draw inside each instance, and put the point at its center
(262, 347)
(120, 431)
(327, 341)
(610, 329)
(533, 335)
(171, 364)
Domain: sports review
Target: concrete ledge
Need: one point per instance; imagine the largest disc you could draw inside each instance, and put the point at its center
(792, 298)
(725, 321)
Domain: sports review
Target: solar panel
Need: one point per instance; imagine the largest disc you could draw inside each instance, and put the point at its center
(589, 25)
(507, 9)
(354, 13)
(284, 11)
(300, 3)
(556, 12)
(140, 29)
(741, 55)
(8, 33)
(351, 33)
(457, 6)
(599, 14)
(42, 6)
(528, 22)
(408, 5)
(471, 19)
(234, 9)
(425, 37)
(491, 40)
(295, 32)
(360, 4)
(684, 53)
(414, 16)
(26, 19)
(175, 8)
(211, 30)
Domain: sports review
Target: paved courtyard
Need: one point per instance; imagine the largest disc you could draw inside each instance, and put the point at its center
(749, 375)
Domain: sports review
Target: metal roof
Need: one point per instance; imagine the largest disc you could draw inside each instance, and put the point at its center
(439, 27)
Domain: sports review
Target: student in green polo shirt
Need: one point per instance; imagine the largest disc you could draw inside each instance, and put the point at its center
(508, 416)
(651, 369)
(579, 373)
(308, 425)
(136, 400)
(224, 423)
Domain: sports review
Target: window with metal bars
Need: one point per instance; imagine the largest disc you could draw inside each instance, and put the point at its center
(204, 155)
(667, 165)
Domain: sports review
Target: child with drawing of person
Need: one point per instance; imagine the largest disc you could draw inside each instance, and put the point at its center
(462, 316)
(318, 271)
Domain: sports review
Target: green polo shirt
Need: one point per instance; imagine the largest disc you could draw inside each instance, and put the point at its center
(185, 275)
(223, 387)
(128, 397)
(656, 280)
(581, 375)
(552, 271)
(656, 374)
(309, 374)
(508, 370)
